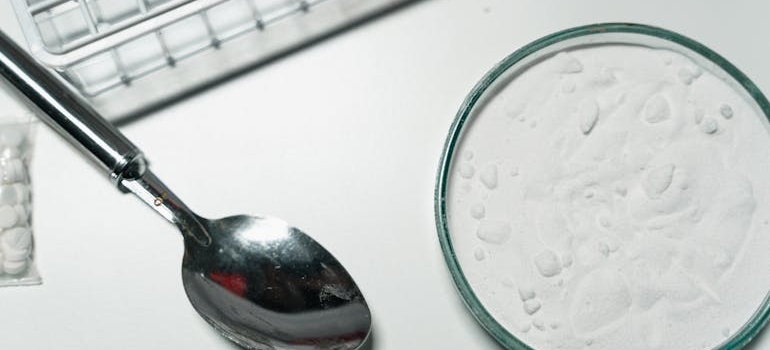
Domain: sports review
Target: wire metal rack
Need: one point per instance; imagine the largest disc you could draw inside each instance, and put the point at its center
(129, 55)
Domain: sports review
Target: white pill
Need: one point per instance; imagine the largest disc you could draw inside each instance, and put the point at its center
(22, 212)
(17, 238)
(14, 267)
(16, 254)
(8, 216)
(13, 170)
(20, 170)
(8, 195)
(22, 193)
(16, 243)
(10, 152)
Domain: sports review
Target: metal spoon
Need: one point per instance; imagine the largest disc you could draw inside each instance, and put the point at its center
(260, 282)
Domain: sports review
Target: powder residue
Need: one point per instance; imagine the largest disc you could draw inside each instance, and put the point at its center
(493, 231)
(633, 214)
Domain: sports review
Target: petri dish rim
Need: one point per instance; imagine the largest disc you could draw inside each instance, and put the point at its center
(741, 338)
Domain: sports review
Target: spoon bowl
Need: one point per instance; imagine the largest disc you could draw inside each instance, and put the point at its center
(263, 282)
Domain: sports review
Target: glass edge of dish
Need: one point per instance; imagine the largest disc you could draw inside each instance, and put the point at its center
(738, 340)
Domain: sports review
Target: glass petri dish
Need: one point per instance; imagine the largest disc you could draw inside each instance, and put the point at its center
(458, 253)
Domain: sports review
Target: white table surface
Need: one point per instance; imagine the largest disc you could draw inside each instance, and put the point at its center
(342, 140)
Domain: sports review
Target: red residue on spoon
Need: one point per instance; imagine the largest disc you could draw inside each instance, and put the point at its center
(234, 282)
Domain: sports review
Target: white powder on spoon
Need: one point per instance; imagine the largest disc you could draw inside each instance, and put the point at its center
(615, 197)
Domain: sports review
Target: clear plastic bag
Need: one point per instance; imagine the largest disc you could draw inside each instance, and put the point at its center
(17, 257)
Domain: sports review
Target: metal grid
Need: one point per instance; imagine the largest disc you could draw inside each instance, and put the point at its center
(68, 25)
(100, 46)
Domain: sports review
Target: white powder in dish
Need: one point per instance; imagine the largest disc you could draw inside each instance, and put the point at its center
(635, 211)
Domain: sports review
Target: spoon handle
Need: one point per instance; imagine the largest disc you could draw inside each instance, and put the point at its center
(74, 119)
(68, 114)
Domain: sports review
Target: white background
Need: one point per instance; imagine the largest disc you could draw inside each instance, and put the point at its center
(341, 140)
